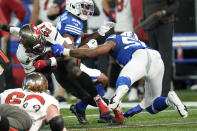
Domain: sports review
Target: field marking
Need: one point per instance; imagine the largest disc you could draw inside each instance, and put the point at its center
(130, 126)
(64, 105)
(133, 126)
(96, 115)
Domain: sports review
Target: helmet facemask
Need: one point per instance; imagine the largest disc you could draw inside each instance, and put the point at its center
(80, 8)
(86, 9)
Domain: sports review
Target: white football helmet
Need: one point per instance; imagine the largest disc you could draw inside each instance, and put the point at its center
(80, 8)
(130, 34)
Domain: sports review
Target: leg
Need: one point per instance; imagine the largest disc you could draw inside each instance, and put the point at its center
(133, 71)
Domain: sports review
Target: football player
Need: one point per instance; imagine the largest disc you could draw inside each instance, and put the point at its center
(138, 60)
(71, 26)
(32, 97)
(33, 55)
(13, 118)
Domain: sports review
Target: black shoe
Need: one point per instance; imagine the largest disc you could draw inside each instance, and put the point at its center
(60, 99)
(110, 119)
(79, 114)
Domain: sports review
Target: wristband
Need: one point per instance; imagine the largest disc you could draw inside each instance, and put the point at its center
(14, 30)
(66, 52)
(53, 61)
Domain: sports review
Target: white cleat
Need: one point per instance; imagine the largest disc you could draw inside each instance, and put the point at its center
(113, 103)
(176, 103)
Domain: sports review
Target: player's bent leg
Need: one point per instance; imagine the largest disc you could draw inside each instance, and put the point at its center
(122, 85)
(174, 101)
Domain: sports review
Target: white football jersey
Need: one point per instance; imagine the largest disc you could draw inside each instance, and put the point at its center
(44, 6)
(124, 16)
(34, 103)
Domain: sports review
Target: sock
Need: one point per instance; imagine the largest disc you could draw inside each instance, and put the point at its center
(158, 105)
(81, 105)
(133, 111)
(100, 89)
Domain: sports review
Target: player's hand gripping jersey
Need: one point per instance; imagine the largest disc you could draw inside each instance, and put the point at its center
(35, 104)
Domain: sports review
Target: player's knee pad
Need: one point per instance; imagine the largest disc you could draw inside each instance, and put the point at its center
(122, 80)
(57, 123)
(158, 105)
(4, 124)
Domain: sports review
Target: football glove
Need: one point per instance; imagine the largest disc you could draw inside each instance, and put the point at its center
(40, 64)
(105, 28)
(92, 43)
(57, 49)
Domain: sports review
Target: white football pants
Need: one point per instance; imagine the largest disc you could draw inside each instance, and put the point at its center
(147, 64)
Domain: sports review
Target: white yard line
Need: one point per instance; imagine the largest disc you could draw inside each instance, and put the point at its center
(124, 105)
(96, 115)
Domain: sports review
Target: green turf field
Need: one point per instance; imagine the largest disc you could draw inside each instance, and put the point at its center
(168, 120)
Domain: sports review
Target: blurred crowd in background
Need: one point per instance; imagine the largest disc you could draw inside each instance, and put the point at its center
(20, 12)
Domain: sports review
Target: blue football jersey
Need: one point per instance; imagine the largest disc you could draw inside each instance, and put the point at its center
(69, 24)
(125, 47)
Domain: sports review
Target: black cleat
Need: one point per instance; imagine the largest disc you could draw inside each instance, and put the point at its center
(110, 119)
(79, 114)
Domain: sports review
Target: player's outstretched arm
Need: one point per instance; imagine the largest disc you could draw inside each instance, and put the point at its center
(84, 52)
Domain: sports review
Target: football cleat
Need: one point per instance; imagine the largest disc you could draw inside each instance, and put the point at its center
(79, 114)
(118, 115)
(102, 107)
(109, 119)
(176, 103)
(113, 104)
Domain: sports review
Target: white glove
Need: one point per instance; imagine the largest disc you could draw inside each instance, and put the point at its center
(105, 28)
(92, 43)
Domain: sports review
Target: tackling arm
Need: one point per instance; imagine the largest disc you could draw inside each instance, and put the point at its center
(90, 53)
